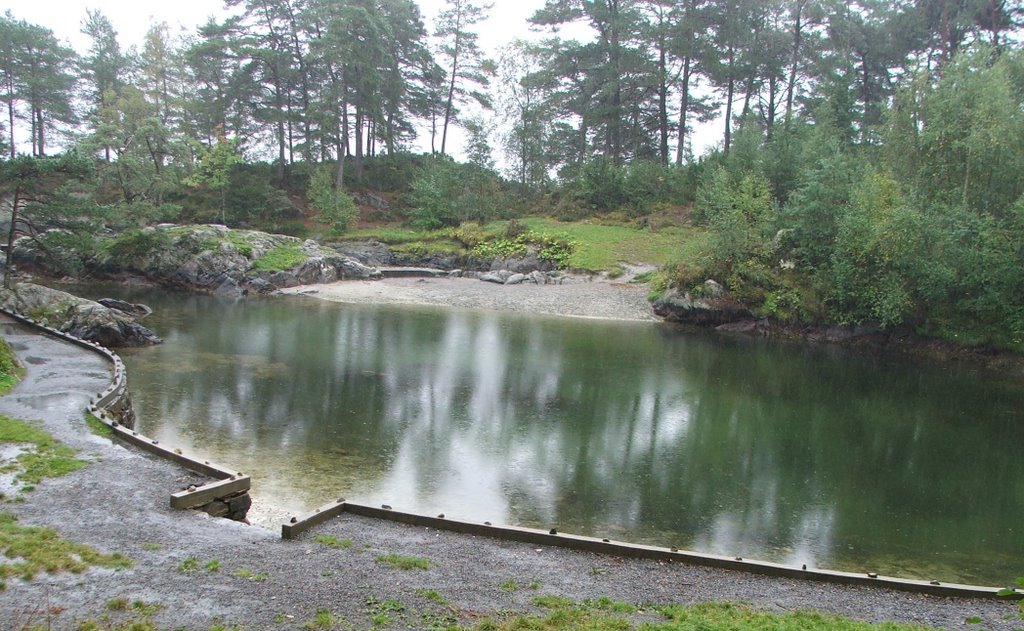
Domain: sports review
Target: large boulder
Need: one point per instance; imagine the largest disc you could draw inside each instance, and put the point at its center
(80, 317)
(225, 261)
(713, 307)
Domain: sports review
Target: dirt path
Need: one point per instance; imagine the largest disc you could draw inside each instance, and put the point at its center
(119, 503)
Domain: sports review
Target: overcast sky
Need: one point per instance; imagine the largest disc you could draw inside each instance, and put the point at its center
(132, 18)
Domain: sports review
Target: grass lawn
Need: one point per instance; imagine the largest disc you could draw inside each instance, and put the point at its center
(600, 247)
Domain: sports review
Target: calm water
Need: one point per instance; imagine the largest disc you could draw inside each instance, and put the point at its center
(630, 431)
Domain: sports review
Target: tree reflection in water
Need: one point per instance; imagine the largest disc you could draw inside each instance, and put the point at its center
(626, 430)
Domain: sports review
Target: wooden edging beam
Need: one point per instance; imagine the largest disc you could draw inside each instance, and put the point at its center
(200, 496)
(228, 482)
(632, 550)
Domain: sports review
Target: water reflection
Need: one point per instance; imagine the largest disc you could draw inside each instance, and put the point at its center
(631, 431)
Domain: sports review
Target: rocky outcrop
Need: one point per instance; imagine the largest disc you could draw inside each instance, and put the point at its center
(216, 259)
(77, 316)
(711, 307)
(509, 277)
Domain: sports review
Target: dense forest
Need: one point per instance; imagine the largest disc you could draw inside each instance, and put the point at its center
(869, 168)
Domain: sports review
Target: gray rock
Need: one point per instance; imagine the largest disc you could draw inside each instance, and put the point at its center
(80, 317)
(515, 279)
(712, 289)
(214, 259)
(455, 273)
(134, 310)
(369, 253)
(539, 277)
(492, 278)
(676, 306)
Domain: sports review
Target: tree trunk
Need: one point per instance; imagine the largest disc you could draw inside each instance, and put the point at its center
(451, 95)
(684, 108)
(794, 60)
(15, 205)
(280, 134)
(663, 100)
(42, 132)
(728, 105)
(358, 167)
(10, 118)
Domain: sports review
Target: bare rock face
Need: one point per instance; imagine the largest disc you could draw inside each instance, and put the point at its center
(216, 259)
(713, 307)
(80, 317)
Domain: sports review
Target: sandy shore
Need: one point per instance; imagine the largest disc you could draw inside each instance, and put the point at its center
(579, 298)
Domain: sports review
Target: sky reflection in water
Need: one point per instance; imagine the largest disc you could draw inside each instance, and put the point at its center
(630, 431)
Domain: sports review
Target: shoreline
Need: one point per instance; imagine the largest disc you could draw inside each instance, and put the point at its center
(578, 298)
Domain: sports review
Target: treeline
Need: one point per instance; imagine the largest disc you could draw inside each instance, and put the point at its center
(869, 167)
(310, 80)
(923, 227)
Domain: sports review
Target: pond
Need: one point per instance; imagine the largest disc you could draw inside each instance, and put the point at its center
(632, 431)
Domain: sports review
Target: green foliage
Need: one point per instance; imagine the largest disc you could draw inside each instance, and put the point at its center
(557, 249)
(283, 257)
(246, 573)
(323, 619)
(31, 550)
(11, 369)
(190, 564)
(739, 216)
(98, 427)
(432, 595)
(337, 208)
(214, 167)
(45, 457)
(600, 184)
(447, 193)
(333, 542)
(404, 562)
(133, 247)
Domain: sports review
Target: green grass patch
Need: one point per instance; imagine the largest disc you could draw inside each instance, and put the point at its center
(241, 243)
(380, 610)
(190, 564)
(283, 257)
(333, 542)
(604, 614)
(323, 619)
(737, 616)
(98, 427)
(432, 595)
(402, 562)
(601, 248)
(550, 601)
(597, 247)
(246, 573)
(31, 550)
(509, 585)
(11, 370)
(46, 458)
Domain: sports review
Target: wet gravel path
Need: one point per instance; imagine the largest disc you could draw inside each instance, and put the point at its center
(119, 503)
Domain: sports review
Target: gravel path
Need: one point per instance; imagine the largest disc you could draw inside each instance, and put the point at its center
(119, 503)
(579, 297)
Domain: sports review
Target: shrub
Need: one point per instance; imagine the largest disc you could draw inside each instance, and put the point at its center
(132, 247)
(447, 194)
(337, 208)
